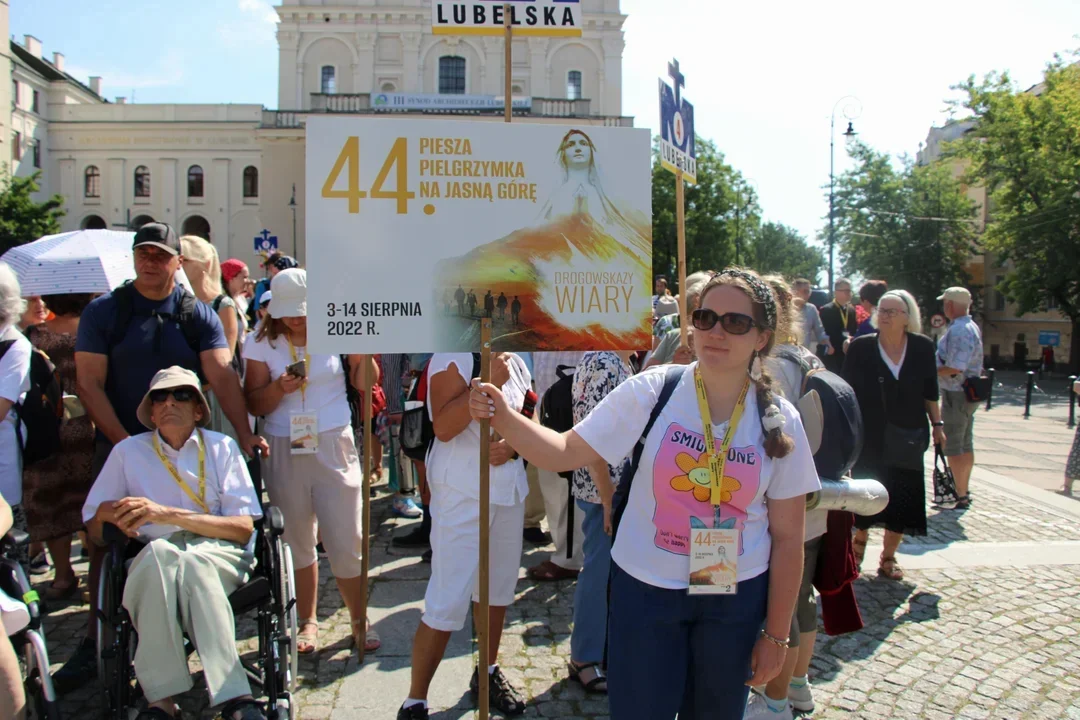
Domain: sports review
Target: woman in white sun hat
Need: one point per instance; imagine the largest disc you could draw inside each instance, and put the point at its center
(313, 472)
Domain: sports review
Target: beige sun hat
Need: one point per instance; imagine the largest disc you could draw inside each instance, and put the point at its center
(173, 377)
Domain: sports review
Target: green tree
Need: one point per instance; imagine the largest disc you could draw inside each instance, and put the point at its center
(710, 214)
(23, 219)
(777, 248)
(912, 225)
(1025, 147)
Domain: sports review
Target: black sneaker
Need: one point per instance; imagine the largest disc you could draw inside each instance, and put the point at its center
(80, 668)
(414, 712)
(39, 564)
(321, 551)
(536, 536)
(501, 694)
(415, 538)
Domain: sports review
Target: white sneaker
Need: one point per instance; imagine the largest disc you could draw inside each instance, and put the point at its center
(802, 698)
(758, 709)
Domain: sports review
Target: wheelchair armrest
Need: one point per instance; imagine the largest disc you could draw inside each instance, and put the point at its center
(273, 520)
(113, 535)
(15, 539)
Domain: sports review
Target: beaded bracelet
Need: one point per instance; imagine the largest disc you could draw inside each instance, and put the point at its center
(775, 641)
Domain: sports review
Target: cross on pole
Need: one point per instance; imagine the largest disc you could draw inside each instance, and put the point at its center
(679, 81)
(265, 236)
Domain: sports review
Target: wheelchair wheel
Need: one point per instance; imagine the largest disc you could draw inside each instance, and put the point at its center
(114, 637)
(41, 703)
(287, 624)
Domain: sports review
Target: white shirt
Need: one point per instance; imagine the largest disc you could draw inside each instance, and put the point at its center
(14, 382)
(546, 366)
(457, 463)
(894, 368)
(324, 393)
(653, 538)
(135, 470)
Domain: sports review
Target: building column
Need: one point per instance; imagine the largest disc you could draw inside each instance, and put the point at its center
(171, 182)
(219, 216)
(538, 76)
(611, 75)
(300, 104)
(116, 193)
(411, 48)
(491, 75)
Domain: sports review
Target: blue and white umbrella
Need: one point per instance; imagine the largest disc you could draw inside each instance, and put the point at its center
(83, 261)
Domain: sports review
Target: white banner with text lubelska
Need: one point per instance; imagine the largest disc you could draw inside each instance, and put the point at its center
(418, 230)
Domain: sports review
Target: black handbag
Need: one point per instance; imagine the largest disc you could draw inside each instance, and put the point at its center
(976, 389)
(904, 447)
(944, 483)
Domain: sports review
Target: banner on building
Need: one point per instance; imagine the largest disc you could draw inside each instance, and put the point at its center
(419, 229)
(552, 18)
(677, 151)
(445, 103)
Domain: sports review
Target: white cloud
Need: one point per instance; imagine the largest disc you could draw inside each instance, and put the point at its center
(259, 9)
(168, 72)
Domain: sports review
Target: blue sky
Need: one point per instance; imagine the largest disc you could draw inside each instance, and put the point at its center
(763, 75)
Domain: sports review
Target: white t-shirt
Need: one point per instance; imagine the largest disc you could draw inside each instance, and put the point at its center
(324, 393)
(894, 367)
(671, 486)
(14, 382)
(134, 469)
(457, 463)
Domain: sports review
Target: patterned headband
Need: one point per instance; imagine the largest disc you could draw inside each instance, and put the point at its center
(762, 293)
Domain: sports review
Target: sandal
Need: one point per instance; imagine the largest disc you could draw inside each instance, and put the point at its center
(62, 593)
(548, 571)
(372, 642)
(593, 685)
(248, 709)
(890, 569)
(859, 547)
(306, 640)
(963, 503)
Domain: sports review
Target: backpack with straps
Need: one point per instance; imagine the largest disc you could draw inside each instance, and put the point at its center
(557, 406)
(184, 317)
(417, 430)
(41, 412)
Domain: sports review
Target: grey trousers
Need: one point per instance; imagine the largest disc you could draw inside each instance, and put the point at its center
(182, 584)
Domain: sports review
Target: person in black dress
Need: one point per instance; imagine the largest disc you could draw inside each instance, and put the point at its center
(894, 375)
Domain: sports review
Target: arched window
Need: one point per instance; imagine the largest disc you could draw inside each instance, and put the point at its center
(451, 75)
(328, 81)
(251, 182)
(196, 225)
(142, 182)
(388, 87)
(94, 222)
(92, 182)
(573, 85)
(194, 182)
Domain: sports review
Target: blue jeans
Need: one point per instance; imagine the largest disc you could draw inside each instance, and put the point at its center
(590, 597)
(673, 653)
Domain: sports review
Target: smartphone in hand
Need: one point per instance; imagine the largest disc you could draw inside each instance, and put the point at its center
(297, 369)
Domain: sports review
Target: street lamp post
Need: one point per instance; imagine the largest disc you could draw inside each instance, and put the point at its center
(738, 212)
(292, 206)
(851, 111)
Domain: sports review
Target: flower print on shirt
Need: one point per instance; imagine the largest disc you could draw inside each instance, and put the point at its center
(682, 494)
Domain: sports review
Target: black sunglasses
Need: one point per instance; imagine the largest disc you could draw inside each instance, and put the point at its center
(179, 394)
(733, 323)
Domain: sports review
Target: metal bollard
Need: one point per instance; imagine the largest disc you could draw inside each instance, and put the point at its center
(1027, 398)
(990, 395)
(1072, 402)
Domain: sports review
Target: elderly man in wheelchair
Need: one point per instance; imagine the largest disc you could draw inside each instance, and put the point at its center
(186, 493)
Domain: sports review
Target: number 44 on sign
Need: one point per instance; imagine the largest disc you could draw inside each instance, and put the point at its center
(348, 163)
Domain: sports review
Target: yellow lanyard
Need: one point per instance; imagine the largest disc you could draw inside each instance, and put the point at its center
(199, 499)
(307, 368)
(718, 460)
(843, 313)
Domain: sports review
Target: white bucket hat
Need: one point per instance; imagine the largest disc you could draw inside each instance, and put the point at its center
(289, 299)
(168, 379)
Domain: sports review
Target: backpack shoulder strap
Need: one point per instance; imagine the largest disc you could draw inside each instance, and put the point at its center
(185, 317)
(672, 376)
(125, 310)
(5, 346)
(216, 305)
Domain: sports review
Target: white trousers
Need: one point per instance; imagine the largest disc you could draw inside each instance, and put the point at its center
(556, 495)
(182, 583)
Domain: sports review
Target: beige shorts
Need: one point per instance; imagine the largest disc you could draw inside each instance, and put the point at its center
(324, 488)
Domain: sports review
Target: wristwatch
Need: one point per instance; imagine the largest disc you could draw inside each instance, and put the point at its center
(938, 424)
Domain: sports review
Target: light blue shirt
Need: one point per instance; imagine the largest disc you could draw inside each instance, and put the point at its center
(961, 348)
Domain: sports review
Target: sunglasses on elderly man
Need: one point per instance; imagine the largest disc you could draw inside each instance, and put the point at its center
(732, 323)
(178, 394)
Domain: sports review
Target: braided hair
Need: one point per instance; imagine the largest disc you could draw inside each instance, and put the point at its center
(767, 315)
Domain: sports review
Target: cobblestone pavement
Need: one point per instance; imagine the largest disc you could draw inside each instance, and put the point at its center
(965, 642)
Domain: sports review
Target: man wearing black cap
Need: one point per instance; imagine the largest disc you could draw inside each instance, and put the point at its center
(125, 338)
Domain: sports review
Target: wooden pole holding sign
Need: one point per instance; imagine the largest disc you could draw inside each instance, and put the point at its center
(367, 382)
(680, 222)
(508, 61)
(483, 631)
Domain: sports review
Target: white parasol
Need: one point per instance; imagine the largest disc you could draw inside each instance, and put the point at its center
(83, 261)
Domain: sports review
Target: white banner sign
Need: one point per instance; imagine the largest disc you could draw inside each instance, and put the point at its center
(418, 229)
(429, 101)
(552, 18)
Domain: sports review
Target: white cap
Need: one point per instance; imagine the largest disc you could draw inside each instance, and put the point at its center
(289, 288)
(957, 295)
(265, 298)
